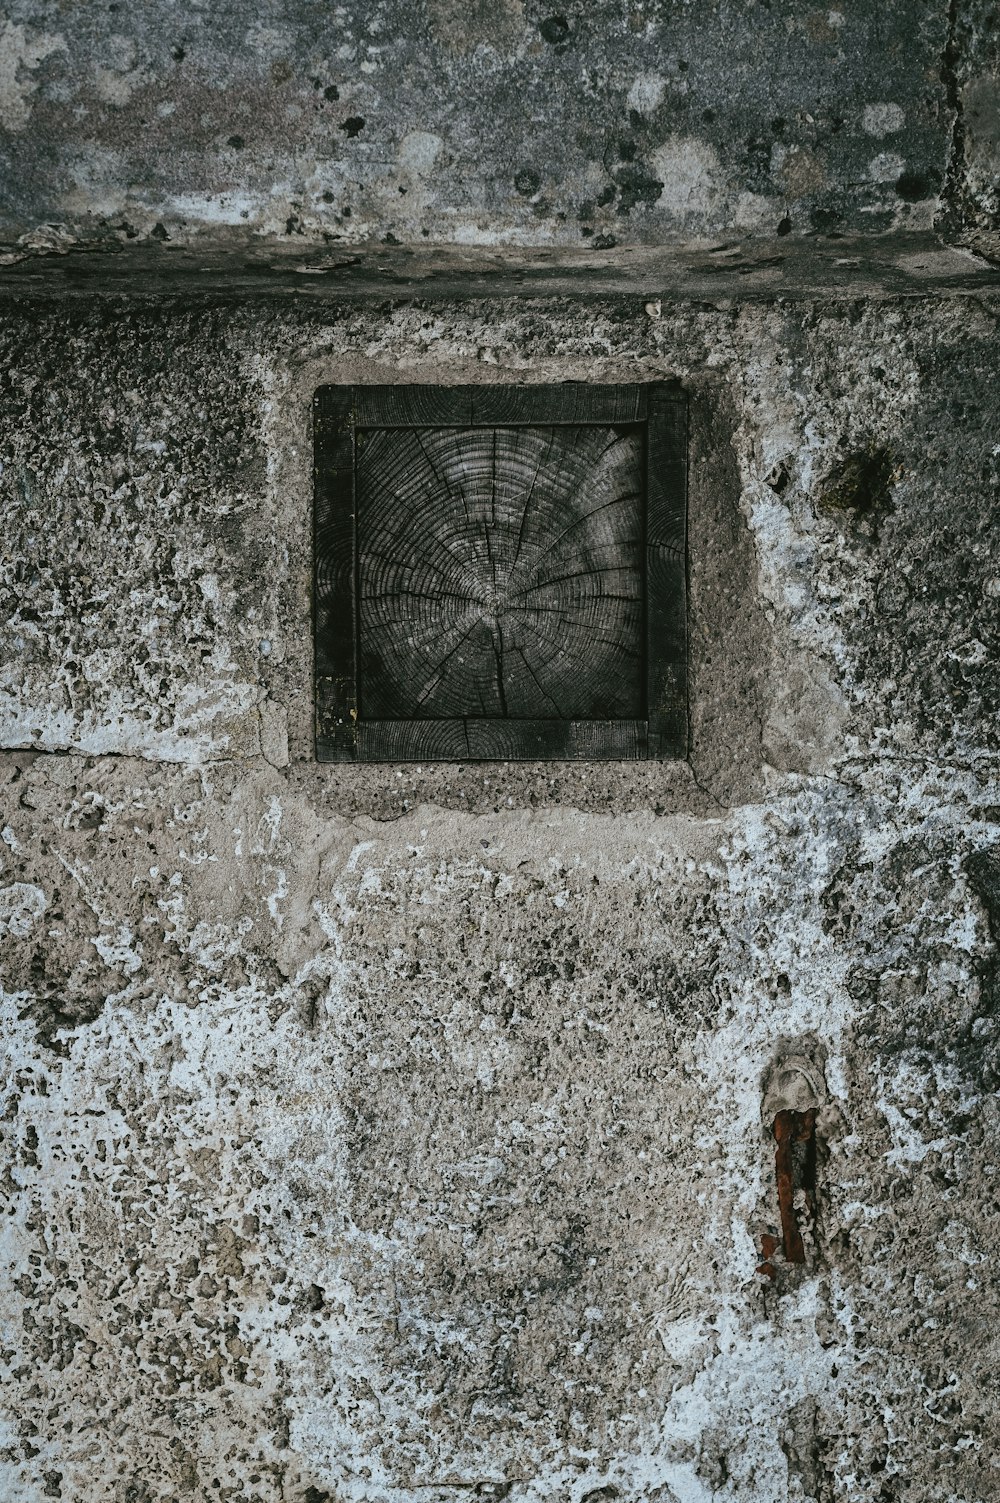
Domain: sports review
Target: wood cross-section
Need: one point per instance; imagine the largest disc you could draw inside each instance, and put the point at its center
(500, 572)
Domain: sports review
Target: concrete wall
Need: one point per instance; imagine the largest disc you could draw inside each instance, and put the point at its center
(389, 1131)
(487, 122)
(404, 1133)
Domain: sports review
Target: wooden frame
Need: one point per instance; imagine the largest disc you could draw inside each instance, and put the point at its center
(342, 414)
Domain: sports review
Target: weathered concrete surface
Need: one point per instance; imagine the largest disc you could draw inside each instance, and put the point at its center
(397, 1132)
(403, 1133)
(734, 270)
(971, 206)
(496, 122)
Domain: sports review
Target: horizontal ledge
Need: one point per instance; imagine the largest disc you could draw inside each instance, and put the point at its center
(232, 269)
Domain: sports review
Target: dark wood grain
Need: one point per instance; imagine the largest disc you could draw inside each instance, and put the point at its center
(500, 572)
(336, 719)
(477, 406)
(413, 406)
(334, 615)
(475, 740)
(573, 402)
(666, 574)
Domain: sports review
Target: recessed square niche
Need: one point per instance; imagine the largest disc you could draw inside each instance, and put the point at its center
(500, 573)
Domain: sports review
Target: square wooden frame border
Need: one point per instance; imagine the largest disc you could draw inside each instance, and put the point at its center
(339, 412)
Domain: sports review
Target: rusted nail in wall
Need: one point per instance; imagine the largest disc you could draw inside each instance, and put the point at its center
(795, 1170)
(794, 1095)
(768, 1247)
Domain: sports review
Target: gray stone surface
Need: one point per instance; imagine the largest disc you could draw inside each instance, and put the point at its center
(403, 1133)
(971, 207)
(397, 1132)
(493, 122)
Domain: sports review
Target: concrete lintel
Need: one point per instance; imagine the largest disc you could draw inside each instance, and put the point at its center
(725, 271)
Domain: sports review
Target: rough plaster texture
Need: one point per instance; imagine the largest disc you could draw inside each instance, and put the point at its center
(404, 1132)
(484, 122)
(972, 73)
